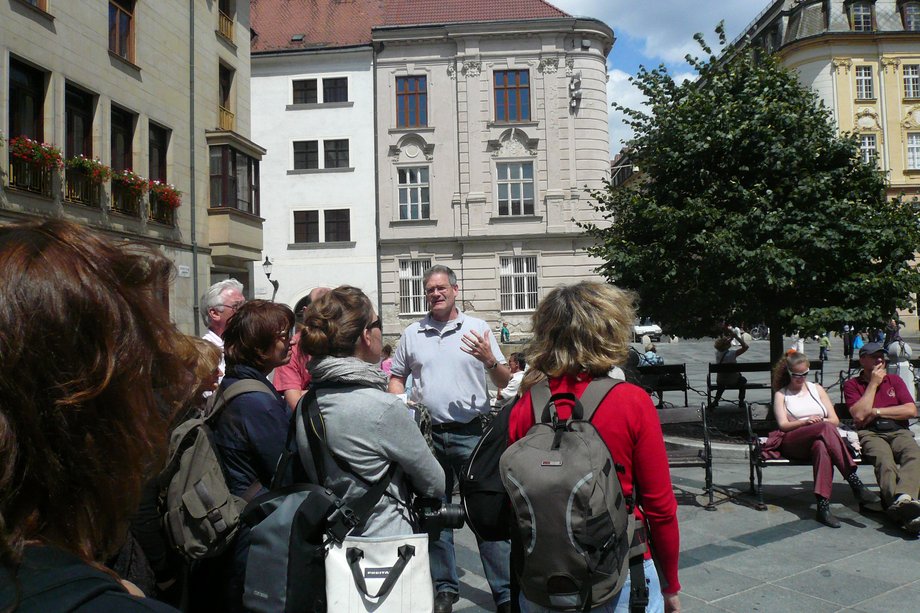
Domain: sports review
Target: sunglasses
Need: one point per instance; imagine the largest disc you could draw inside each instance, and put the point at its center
(799, 375)
(375, 324)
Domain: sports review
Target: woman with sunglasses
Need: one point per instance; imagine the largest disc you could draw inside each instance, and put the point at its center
(251, 430)
(366, 428)
(808, 431)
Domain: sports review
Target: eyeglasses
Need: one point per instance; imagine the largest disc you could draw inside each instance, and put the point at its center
(235, 306)
(287, 334)
(375, 324)
(436, 289)
(799, 375)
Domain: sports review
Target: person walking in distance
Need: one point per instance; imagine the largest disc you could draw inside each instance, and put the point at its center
(449, 355)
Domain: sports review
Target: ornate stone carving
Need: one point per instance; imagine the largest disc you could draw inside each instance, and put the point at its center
(472, 68)
(548, 65)
(411, 146)
(569, 67)
(452, 70)
(867, 120)
(841, 62)
(512, 143)
(890, 62)
(912, 118)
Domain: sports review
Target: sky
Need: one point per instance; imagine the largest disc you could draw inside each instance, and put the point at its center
(654, 32)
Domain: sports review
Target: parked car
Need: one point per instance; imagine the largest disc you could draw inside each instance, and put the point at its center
(645, 327)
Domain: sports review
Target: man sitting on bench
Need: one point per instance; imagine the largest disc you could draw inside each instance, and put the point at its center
(881, 405)
(726, 355)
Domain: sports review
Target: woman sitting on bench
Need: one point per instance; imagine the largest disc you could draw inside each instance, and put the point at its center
(808, 431)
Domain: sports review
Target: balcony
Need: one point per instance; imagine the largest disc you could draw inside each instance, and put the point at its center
(125, 200)
(225, 25)
(160, 211)
(81, 189)
(30, 176)
(225, 118)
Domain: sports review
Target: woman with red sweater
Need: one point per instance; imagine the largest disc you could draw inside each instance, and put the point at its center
(580, 332)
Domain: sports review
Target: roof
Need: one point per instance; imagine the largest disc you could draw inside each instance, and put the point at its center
(347, 23)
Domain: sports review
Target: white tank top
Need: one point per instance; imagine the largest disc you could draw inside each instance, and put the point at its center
(804, 405)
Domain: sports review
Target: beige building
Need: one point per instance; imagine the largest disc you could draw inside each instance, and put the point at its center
(862, 57)
(489, 128)
(160, 89)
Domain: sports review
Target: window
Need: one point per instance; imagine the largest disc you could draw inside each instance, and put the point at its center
(861, 16)
(414, 193)
(225, 12)
(335, 153)
(515, 188)
(27, 101)
(411, 102)
(121, 28)
(234, 179)
(913, 151)
(512, 95)
(912, 81)
(41, 5)
(156, 149)
(868, 148)
(518, 276)
(78, 122)
(864, 89)
(122, 144)
(306, 226)
(910, 14)
(305, 91)
(337, 225)
(411, 288)
(335, 90)
(306, 154)
(225, 97)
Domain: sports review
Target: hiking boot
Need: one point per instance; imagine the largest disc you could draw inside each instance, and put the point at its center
(868, 500)
(444, 602)
(827, 518)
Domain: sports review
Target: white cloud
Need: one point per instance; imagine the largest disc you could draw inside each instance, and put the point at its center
(666, 27)
(620, 90)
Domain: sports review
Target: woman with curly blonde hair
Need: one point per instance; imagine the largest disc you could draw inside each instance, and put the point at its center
(580, 332)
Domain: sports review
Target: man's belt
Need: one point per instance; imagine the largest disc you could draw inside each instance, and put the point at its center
(455, 426)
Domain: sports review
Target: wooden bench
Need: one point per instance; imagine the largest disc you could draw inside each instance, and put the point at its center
(664, 378)
(758, 462)
(817, 367)
(692, 458)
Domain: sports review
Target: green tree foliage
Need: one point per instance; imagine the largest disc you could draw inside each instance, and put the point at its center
(751, 207)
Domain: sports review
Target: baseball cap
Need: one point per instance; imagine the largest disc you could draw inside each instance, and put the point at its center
(870, 348)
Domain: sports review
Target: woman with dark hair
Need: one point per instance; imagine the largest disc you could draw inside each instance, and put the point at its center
(580, 332)
(251, 430)
(366, 427)
(87, 366)
(808, 431)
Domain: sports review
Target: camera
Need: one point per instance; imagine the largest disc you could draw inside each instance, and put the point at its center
(434, 515)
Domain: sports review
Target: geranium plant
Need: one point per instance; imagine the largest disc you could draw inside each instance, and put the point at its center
(130, 181)
(43, 154)
(92, 168)
(166, 193)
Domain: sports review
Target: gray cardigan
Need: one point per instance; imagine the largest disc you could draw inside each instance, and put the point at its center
(369, 428)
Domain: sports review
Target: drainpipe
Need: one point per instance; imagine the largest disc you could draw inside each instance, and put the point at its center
(191, 167)
(457, 77)
(375, 48)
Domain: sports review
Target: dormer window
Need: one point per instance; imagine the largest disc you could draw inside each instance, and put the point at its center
(910, 14)
(861, 17)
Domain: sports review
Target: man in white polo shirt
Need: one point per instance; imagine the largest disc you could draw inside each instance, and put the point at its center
(449, 355)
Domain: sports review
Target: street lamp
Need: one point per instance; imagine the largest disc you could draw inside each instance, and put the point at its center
(267, 269)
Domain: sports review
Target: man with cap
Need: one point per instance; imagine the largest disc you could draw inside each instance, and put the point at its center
(881, 405)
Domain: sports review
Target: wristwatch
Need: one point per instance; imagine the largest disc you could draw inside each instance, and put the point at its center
(493, 365)
(878, 412)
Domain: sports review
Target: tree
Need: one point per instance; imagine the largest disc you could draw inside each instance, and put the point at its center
(751, 207)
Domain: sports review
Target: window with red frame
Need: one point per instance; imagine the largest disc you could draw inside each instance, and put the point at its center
(121, 28)
(512, 95)
(411, 102)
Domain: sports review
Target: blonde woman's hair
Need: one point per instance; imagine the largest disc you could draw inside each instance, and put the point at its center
(582, 328)
(781, 376)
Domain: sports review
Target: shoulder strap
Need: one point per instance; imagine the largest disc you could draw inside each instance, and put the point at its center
(539, 397)
(595, 393)
(223, 396)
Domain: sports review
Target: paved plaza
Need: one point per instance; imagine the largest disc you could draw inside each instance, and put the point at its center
(739, 559)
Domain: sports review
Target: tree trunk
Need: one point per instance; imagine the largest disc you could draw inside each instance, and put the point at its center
(776, 342)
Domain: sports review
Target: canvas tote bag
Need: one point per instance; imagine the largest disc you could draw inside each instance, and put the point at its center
(387, 574)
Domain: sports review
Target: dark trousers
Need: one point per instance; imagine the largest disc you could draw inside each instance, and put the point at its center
(820, 443)
(896, 457)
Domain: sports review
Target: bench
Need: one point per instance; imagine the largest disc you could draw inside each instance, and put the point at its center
(758, 462)
(817, 367)
(664, 378)
(692, 458)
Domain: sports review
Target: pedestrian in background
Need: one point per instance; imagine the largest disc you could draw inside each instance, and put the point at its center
(847, 342)
(89, 379)
(824, 346)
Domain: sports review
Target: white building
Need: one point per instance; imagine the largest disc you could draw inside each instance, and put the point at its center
(314, 113)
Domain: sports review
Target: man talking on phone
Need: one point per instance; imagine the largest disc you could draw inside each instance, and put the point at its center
(881, 406)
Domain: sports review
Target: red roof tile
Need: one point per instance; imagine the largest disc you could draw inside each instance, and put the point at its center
(343, 23)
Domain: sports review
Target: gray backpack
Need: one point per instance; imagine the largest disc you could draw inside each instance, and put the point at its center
(201, 516)
(573, 526)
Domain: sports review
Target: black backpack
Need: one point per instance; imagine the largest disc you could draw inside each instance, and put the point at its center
(484, 499)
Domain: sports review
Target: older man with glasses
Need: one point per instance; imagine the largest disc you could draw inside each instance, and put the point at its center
(881, 405)
(218, 305)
